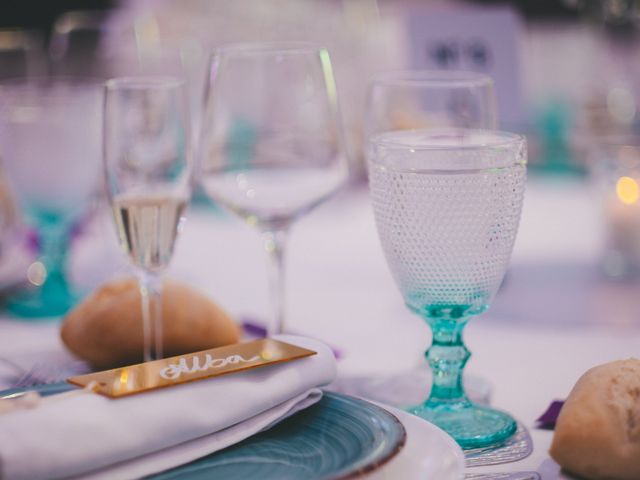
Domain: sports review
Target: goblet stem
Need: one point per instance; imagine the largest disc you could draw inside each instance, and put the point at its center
(54, 240)
(274, 244)
(447, 357)
(472, 426)
(151, 295)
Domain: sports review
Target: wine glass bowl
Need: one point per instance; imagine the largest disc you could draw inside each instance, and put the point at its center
(430, 99)
(271, 146)
(148, 174)
(50, 136)
(447, 205)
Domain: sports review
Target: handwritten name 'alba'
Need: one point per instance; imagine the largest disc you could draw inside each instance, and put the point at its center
(174, 370)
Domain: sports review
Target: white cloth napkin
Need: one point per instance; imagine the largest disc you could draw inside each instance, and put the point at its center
(91, 436)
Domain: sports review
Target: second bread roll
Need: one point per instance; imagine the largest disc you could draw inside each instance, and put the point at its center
(597, 435)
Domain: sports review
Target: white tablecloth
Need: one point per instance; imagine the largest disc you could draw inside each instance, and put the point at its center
(554, 318)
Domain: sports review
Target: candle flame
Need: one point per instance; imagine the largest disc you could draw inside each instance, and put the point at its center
(627, 190)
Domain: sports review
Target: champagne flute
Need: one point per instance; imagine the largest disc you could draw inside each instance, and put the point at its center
(50, 144)
(447, 205)
(271, 146)
(147, 165)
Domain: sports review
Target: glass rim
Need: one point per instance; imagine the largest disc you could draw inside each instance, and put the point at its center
(144, 82)
(502, 139)
(279, 47)
(37, 81)
(42, 91)
(432, 78)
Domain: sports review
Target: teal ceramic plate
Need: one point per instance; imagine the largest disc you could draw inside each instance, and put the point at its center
(339, 437)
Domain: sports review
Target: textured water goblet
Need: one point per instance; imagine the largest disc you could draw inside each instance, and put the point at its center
(410, 100)
(447, 206)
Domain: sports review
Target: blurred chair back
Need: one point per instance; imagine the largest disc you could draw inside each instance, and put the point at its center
(74, 48)
(21, 53)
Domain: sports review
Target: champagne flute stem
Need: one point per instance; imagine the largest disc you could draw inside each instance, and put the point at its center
(274, 244)
(151, 295)
(447, 357)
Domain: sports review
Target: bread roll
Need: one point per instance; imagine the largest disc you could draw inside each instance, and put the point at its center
(597, 435)
(106, 328)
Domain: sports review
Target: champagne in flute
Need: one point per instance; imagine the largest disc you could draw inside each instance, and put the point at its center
(147, 227)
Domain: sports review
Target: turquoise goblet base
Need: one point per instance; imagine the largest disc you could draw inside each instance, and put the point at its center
(54, 297)
(448, 406)
(472, 426)
(51, 299)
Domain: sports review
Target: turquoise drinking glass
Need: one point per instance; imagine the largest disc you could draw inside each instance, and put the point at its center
(50, 145)
(447, 205)
(409, 100)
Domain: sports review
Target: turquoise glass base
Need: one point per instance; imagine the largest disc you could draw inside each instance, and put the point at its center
(448, 407)
(53, 299)
(54, 296)
(472, 426)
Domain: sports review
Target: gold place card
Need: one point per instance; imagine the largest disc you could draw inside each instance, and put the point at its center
(190, 367)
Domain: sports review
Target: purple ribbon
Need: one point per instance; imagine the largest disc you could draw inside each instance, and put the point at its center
(547, 421)
(254, 328)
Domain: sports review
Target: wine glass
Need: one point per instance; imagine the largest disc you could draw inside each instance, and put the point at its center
(421, 99)
(50, 143)
(147, 165)
(447, 205)
(271, 146)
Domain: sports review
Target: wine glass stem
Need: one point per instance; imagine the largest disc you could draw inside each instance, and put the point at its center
(151, 295)
(274, 244)
(447, 357)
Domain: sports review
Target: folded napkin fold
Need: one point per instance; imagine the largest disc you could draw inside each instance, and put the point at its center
(91, 436)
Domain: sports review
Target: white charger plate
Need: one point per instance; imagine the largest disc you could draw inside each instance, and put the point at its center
(429, 453)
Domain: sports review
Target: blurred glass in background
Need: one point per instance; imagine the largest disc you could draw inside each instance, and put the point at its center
(50, 145)
(566, 72)
(559, 67)
(616, 175)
